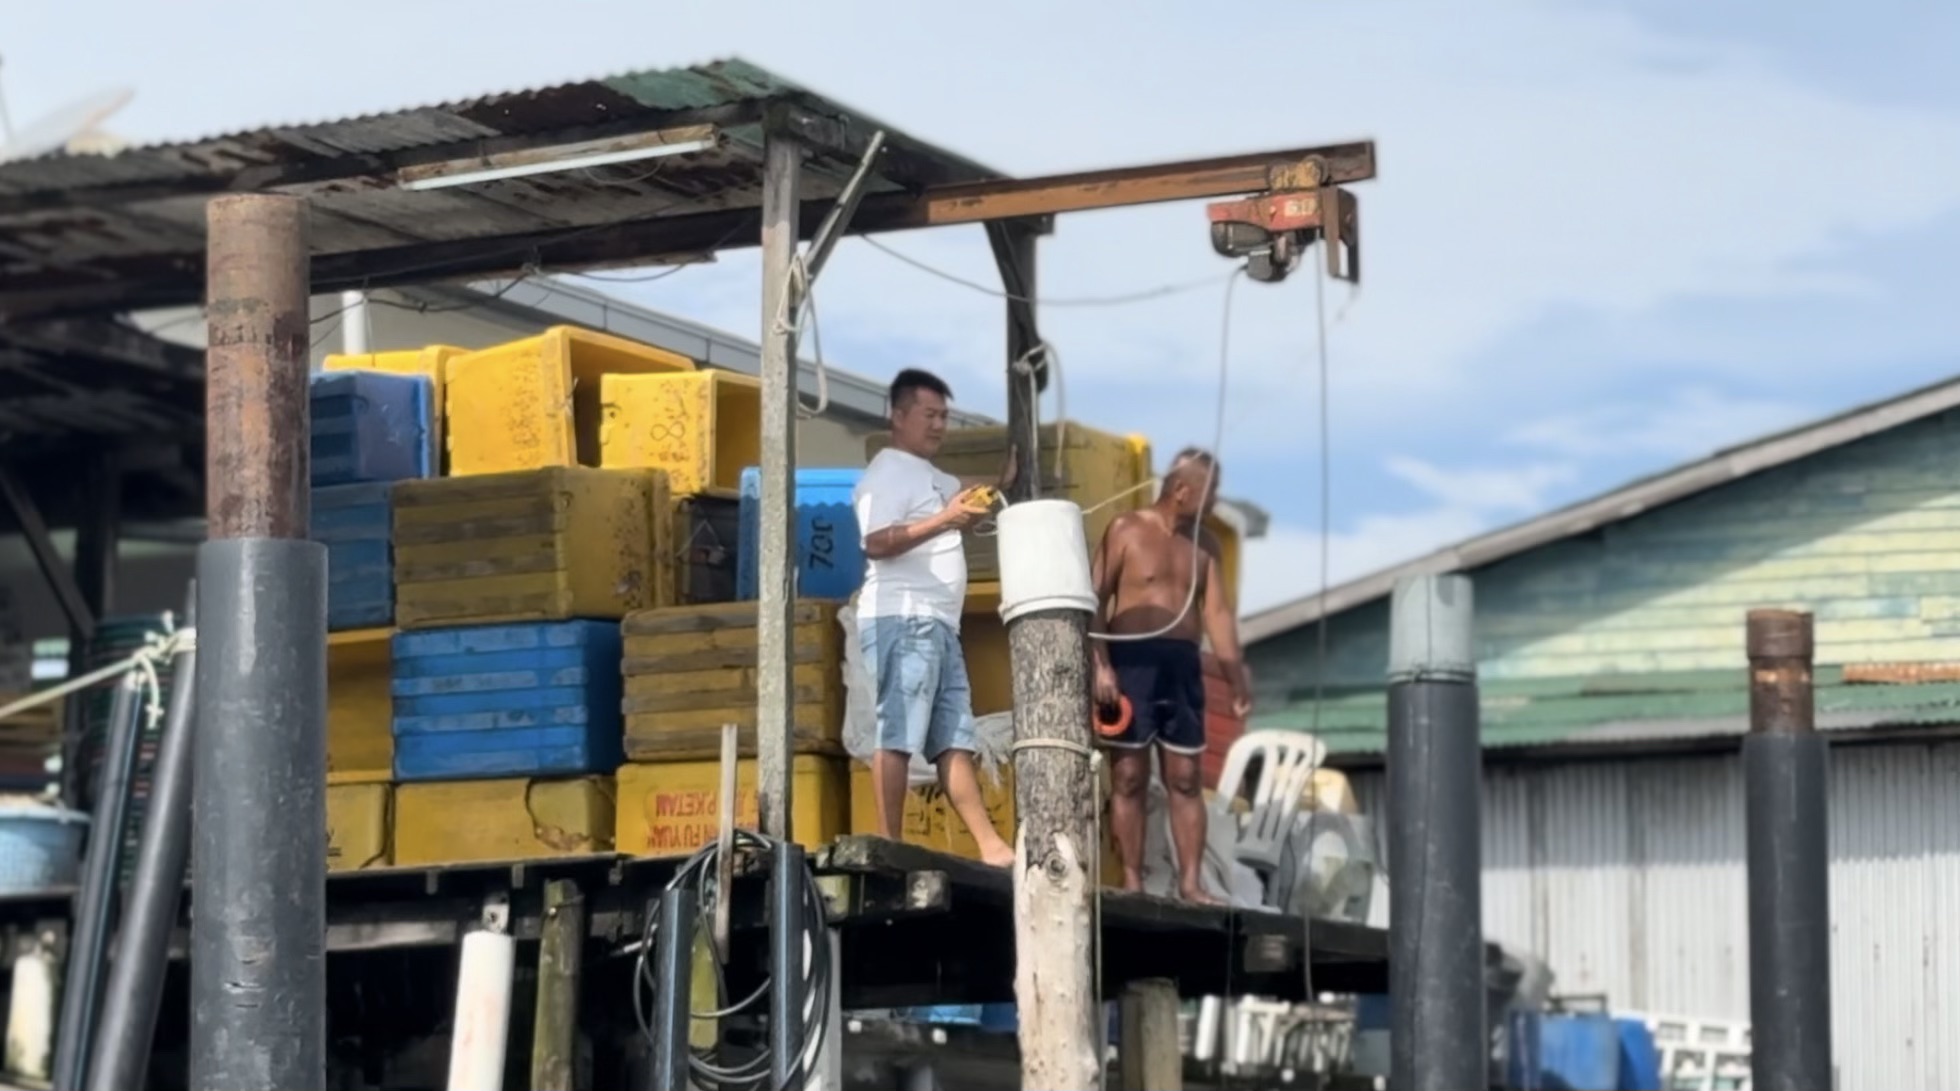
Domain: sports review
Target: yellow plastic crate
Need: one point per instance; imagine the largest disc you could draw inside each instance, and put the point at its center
(474, 821)
(929, 819)
(360, 818)
(690, 669)
(701, 427)
(1075, 462)
(989, 670)
(541, 545)
(536, 402)
(431, 362)
(360, 707)
(674, 808)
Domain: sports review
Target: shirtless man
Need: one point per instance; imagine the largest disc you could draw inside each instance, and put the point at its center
(1143, 573)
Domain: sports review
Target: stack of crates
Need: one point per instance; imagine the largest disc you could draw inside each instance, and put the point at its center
(511, 576)
(691, 669)
(509, 588)
(371, 429)
(700, 428)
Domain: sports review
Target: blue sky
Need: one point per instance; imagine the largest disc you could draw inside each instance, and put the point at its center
(1606, 238)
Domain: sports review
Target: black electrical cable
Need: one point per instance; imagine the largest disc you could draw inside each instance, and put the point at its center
(710, 1073)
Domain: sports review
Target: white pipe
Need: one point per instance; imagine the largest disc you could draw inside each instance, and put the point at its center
(1204, 1043)
(354, 322)
(30, 1016)
(828, 1073)
(482, 1029)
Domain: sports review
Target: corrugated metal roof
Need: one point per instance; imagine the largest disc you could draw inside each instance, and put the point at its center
(1605, 711)
(76, 383)
(127, 228)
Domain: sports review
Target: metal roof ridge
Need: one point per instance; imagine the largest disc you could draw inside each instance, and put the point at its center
(730, 62)
(1636, 497)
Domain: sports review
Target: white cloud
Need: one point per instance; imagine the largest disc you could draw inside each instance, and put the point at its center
(1539, 156)
(1285, 564)
(1483, 489)
(1691, 422)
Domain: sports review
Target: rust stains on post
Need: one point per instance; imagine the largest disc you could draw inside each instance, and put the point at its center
(1781, 648)
(255, 393)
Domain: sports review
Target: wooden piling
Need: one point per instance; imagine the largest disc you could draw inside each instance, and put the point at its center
(1149, 1057)
(561, 946)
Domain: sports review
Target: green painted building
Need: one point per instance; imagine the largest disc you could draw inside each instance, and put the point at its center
(1619, 620)
(1610, 648)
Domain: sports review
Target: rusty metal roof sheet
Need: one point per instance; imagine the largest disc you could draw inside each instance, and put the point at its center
(115, 231)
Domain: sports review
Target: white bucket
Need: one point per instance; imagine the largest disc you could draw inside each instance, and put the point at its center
(1044, 559)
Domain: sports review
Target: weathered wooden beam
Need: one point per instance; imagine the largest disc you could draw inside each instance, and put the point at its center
(103, 339)
(554, 1038)
(33, 528)
(1149, 1057)
(152, 282)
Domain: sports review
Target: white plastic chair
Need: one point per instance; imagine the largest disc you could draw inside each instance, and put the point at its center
(1287, 760)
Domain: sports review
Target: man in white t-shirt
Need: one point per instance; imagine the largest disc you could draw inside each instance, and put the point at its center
(911, 516)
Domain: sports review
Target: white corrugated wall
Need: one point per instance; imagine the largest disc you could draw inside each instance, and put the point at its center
(1627, 877)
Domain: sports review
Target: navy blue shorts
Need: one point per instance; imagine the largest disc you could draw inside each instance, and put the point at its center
(1165, 681)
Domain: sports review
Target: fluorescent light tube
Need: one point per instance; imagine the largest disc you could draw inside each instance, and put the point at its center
(598, 153)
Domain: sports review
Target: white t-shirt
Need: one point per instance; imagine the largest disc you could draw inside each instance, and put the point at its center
(929, 580)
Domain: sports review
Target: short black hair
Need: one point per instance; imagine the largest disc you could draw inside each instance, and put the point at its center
(1192, 460)
(1194, 454)
(912, 380)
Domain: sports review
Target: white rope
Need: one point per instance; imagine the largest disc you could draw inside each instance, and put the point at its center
(802, 291)
(157, 647)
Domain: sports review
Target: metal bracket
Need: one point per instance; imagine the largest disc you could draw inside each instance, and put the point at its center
(496, 914)
(1341, 233)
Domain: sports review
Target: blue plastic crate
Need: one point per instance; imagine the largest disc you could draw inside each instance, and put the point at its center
(40, 847)
(1578, 1053)
(371, 426)
(829, 556)
(355, 522)
(1640, 1057)
(536, 699)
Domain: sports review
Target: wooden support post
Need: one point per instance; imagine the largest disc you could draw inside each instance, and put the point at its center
(554, 1037)
(1014, 253)
(776, 530)
(1056, 855)
(1148, 1056)
(98, 532)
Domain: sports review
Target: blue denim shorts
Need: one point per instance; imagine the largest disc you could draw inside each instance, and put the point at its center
(925, 703)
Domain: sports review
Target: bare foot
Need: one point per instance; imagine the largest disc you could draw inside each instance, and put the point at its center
(1133, 882)
(997, 856)
(1196, 894)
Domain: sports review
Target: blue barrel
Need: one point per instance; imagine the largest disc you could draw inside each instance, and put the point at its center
(829, 555)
